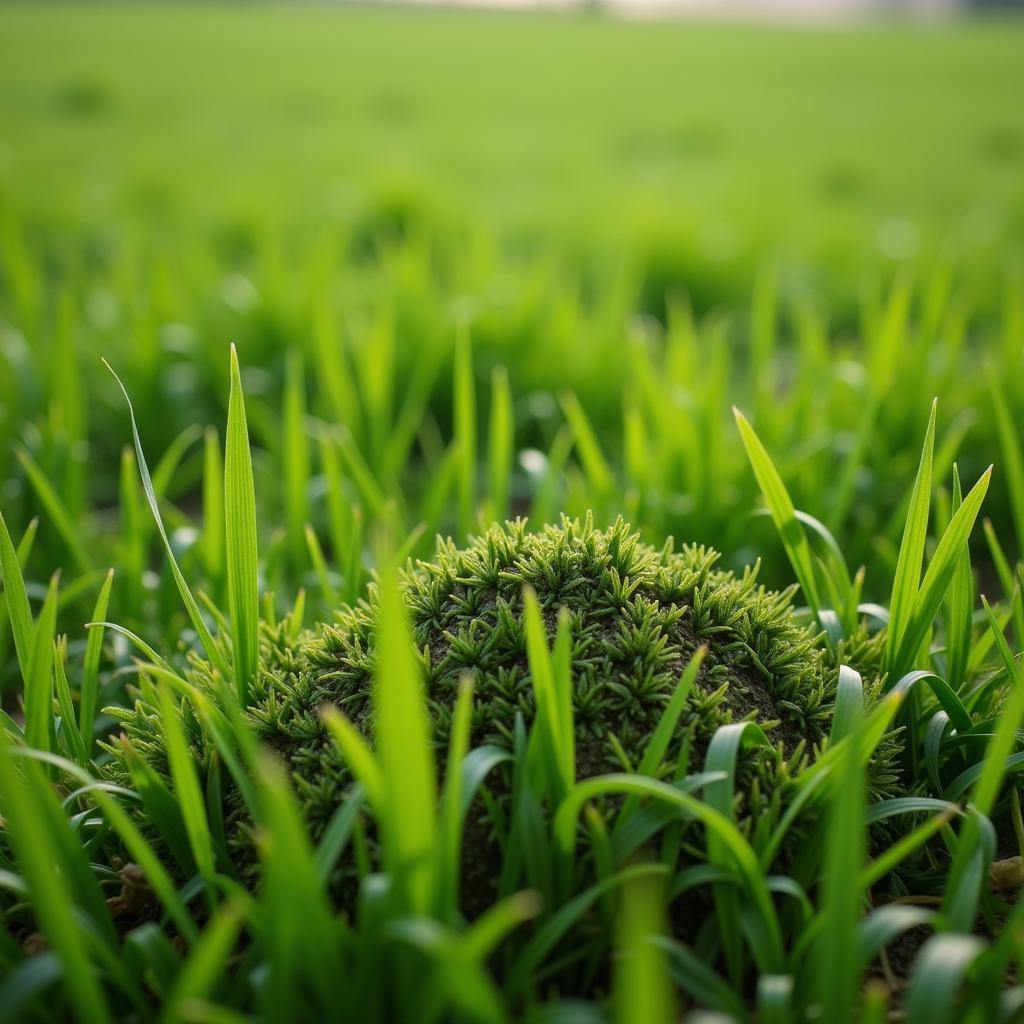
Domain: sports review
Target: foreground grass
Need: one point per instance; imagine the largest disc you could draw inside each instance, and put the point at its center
(123, 901)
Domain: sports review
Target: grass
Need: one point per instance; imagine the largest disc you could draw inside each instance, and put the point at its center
(476, 268)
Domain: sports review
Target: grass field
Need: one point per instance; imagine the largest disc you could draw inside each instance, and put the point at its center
(477, 267)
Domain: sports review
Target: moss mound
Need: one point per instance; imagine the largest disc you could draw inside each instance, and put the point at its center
(638, 614)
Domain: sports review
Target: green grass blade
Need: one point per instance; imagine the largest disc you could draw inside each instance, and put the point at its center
(70, 532)
(295, 455)
(794, 540)
(91, 665)
(908, 567)
(939, 575)
(464, 418)
(240, 532)
(50, 880)
(186, 785)
(838, 967)
(204, 967)
(938, 974)
(500, 441)
(18, 609)
(1013, 458)
(212, 649)
(213, 505)
(642, 992)
(404, 752)
(39, 681)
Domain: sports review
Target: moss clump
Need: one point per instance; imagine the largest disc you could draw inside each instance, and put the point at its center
(637, 614)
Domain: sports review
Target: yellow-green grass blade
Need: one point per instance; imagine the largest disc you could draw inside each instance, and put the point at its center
(794, 540)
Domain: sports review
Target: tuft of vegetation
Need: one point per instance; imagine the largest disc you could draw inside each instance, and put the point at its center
(656, 651)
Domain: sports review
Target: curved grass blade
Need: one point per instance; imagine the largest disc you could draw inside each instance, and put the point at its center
(794, 540)
(213, 650)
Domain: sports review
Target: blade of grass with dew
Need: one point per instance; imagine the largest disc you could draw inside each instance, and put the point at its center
(240, 534)
(213, 650)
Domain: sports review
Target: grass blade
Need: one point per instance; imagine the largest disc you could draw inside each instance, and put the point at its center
(794, 540)
(404, 752)
(91, 665)
(240, 532)
(213, 650)
(18, 608)
(908, 566)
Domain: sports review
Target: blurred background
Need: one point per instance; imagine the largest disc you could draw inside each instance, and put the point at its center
(635, 212)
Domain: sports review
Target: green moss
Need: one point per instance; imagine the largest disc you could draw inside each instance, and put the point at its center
(637, 613)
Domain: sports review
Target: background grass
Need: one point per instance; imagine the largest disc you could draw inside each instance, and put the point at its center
(478, 265)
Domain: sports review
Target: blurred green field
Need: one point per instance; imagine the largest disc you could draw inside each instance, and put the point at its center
(480, 266)
(696, 151)
(566, 190)
(825, 226)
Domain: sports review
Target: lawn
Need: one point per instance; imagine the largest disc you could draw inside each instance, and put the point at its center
(564, 495)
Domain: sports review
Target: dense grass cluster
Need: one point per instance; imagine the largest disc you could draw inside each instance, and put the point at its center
(368, 705)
